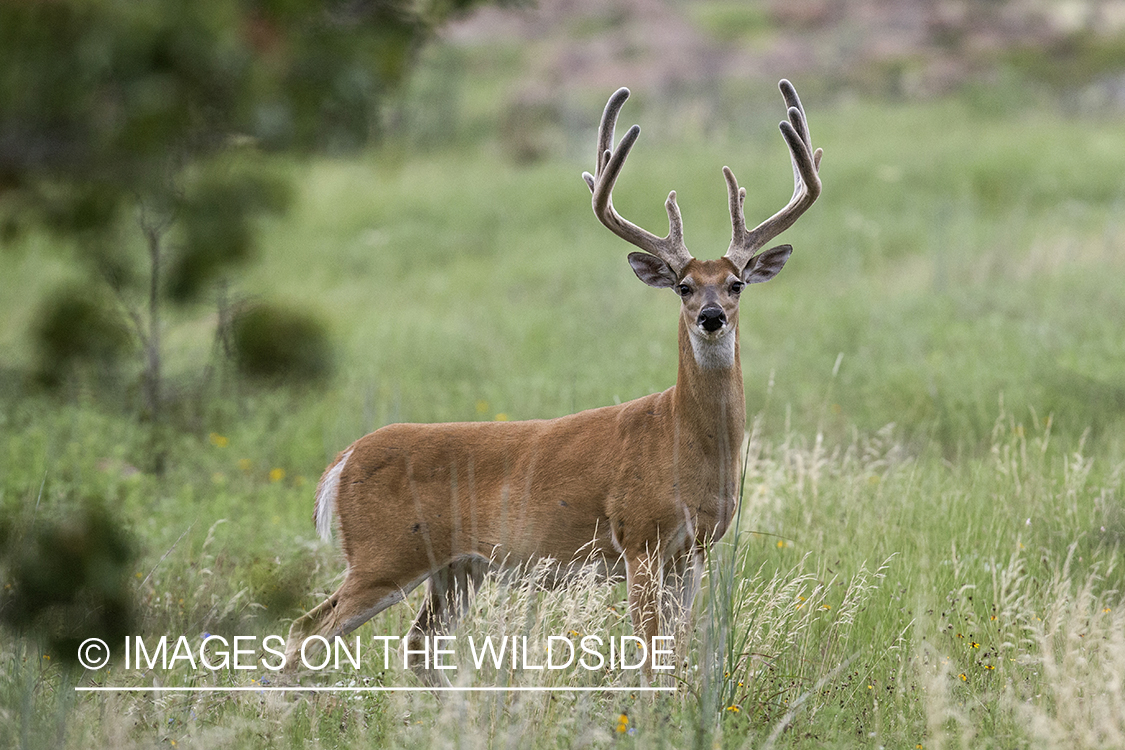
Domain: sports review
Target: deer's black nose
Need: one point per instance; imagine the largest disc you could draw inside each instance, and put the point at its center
(712, 318)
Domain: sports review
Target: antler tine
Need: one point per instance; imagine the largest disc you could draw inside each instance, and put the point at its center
(608, 164)
(806, 184)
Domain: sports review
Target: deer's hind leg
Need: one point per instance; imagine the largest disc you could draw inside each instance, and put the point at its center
(448, 594)
(356, 601)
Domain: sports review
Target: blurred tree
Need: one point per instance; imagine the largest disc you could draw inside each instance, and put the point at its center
(142, 130)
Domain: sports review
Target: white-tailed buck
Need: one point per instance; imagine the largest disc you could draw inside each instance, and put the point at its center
(648, 484)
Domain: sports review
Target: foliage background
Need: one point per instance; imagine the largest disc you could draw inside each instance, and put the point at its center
(933, 511)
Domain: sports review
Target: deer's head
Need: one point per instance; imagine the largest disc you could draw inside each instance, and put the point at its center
(709, 290)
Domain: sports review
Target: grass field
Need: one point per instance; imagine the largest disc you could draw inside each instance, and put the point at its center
(929, 544)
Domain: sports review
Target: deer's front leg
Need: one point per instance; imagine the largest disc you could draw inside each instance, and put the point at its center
(645, 575)
(682, 577)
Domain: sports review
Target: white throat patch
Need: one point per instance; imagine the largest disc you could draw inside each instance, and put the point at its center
(713, 354)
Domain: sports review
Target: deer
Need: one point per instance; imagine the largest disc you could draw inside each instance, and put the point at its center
(646, 486)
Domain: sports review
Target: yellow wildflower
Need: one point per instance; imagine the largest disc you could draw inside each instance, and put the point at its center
(276, 475)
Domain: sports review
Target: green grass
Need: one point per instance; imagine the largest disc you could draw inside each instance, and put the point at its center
(928, 542)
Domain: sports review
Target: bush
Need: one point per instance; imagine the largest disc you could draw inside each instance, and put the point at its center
(273, 343)
(68, 579)
(75, 327)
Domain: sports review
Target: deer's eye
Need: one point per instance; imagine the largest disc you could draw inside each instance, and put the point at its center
(736, 288)
(683, 290)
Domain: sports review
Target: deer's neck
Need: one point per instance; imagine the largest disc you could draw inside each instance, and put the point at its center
(710, 402)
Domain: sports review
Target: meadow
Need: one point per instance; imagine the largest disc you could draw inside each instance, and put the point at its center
(929, 542)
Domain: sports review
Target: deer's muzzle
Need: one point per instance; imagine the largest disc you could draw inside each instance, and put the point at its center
(711, 318)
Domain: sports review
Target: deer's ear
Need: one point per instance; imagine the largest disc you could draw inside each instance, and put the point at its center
(651, 270)
(766, 264)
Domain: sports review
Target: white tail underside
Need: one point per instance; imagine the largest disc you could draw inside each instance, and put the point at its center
(326, 493)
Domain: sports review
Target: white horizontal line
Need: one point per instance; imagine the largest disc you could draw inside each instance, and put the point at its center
(377, 689)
